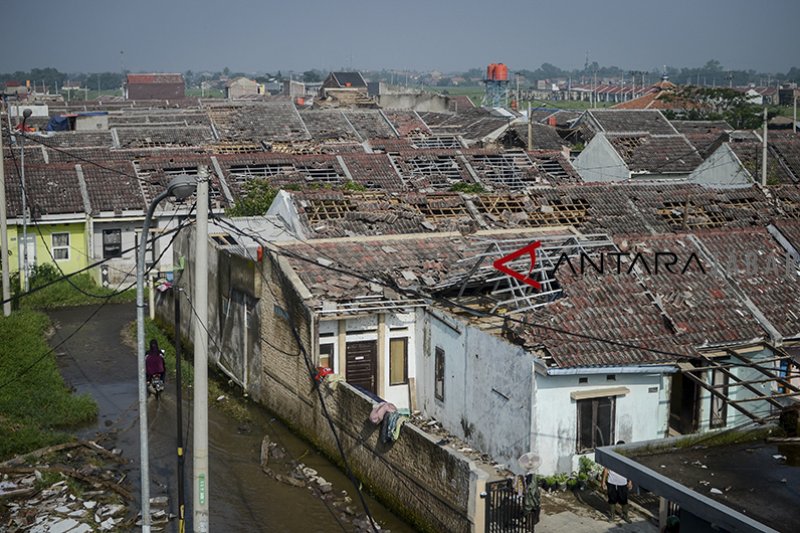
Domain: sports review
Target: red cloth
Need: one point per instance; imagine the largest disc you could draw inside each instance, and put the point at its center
(322, 371)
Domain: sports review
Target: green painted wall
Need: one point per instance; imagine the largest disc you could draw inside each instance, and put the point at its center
(78, 256)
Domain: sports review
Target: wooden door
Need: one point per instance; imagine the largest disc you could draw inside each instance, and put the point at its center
(362, 365)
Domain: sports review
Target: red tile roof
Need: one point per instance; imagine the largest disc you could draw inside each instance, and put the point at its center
(155, 77)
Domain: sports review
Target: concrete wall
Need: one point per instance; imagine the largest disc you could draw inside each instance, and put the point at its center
(722, 170)
(155, 91)
(641, 414)
(432, 103)
(234, 347)
(735, 417)
(122, 268)
(436, 488)
(488, 386)
(599, 162)
(91, 123)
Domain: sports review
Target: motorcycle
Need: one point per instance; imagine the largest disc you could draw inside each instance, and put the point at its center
(156, 386)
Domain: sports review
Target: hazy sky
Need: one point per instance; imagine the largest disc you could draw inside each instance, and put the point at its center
(266, 35)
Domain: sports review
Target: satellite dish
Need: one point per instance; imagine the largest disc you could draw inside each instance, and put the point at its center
(529, 461)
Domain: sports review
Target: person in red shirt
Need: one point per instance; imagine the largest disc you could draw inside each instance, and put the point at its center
(154, 362)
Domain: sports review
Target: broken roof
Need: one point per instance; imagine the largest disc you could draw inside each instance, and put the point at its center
(339, 214)
(783, 160)
(628, 121)
(634, 209)
(701, 306)
(705, 135)
(544, 137)
(115, 189)
(656, 154)
(51, 190)
(761, 270)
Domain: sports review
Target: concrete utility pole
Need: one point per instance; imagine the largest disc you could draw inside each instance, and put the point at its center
(794, 122)
(4, 237)
(25, 274)
(180, 187)
(200, 297)
(764, 153)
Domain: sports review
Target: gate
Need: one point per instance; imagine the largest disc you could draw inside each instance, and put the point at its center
(505, 508)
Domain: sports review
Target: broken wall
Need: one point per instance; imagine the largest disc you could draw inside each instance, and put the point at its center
(488, 386)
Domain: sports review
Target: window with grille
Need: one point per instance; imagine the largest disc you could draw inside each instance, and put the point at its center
(595, 423)
(112, 243)
(398, 361)
(60, 246)
(439, 374)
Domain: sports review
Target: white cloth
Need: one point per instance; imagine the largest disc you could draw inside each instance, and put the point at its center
(616, 479)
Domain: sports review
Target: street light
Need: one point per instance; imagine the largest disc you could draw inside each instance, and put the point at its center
(180, 187)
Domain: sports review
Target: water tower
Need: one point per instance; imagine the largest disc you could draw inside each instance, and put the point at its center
(496, 86)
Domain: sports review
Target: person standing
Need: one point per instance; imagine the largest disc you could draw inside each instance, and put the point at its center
(617, 488)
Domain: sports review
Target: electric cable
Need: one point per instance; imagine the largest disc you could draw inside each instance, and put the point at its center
(44, 241)
(389, 283)
(86, 268)
(397, 288)
(310, 368)
(83, 324)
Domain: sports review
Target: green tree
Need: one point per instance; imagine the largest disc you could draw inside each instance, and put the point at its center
(311, 76)
(256, 200)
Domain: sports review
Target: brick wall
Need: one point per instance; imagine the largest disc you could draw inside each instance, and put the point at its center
(432, 486)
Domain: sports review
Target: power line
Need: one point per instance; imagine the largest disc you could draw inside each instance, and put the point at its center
(327, 415)
(50, 253)
(353, 272)
(88, 267)
(105, 301)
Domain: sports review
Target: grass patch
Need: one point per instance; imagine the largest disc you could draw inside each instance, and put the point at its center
(65, 294)
(217, 384)
(35, 404)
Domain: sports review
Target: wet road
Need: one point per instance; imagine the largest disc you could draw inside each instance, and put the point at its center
(242, 498)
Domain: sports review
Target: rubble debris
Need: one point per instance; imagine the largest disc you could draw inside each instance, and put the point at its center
(68, 488)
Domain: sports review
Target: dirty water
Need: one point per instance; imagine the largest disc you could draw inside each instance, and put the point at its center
(95, 361)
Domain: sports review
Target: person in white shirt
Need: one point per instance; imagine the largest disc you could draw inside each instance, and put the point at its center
(617, 488)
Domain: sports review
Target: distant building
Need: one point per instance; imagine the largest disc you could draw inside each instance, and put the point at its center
(155, 86)
(241, 87)
(344, 80)
(293, 88)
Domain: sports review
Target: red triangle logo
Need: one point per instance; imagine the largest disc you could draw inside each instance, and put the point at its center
(500, 264)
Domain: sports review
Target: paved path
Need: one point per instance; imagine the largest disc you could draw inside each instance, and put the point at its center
(97, 362)
(569, 522)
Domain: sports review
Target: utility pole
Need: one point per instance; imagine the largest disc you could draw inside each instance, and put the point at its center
(764, 153)
(4, 237)
(179, 402)
(25, 115)
(200, 297)
(794, 122)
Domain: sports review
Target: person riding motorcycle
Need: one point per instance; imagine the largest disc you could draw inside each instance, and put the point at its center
(154, 362)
